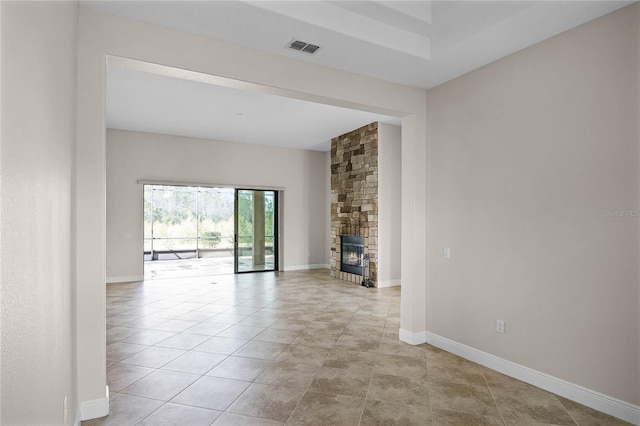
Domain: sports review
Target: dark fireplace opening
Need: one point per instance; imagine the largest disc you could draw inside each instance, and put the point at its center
(352, 254)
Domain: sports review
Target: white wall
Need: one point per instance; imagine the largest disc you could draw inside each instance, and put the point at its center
(389, 204)
(133, 156)
(525, 156)
(38, 132)
(101, 35)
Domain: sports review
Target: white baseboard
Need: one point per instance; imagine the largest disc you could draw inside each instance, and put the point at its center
(78, 418)
(125, 279)
(413, 338)
(577, 393)
(388, 283)
(95, 408)
(306, 267)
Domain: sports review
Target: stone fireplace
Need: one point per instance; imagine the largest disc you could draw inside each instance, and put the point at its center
(354, 200)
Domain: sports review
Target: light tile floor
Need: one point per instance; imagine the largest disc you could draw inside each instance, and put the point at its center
(296, 348)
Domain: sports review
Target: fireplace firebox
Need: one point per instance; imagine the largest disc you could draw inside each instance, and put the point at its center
(352, 254)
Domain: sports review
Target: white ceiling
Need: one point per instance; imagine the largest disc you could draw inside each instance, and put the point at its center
(155, 103)
(416, 43)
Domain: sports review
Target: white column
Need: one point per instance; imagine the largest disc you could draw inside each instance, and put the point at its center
(413, 321)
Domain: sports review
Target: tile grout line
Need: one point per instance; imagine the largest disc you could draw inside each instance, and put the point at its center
(493, 397)
(429, 389)
(366, 395)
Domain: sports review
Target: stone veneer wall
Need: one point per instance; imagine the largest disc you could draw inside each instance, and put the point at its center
(354, 196)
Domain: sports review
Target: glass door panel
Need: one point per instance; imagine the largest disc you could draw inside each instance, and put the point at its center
(255, 240)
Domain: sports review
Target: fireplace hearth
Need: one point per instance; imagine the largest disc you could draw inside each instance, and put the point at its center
(352, 254)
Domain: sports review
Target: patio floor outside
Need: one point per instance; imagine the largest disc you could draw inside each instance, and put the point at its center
(214, 263)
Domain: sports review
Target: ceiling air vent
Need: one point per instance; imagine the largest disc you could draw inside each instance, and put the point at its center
(303, 46)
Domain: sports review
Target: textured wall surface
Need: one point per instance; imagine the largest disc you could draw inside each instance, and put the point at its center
(354, 195)
(38, 368)
(529, 159)
(389, 204)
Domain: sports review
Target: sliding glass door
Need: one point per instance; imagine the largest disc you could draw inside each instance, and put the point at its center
(256, 245)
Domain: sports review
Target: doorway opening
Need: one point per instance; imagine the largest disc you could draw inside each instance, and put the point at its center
(198, 231)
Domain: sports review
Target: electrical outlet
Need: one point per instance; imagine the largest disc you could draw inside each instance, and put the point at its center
(65, 408)
(446, 253)
(500, 326)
